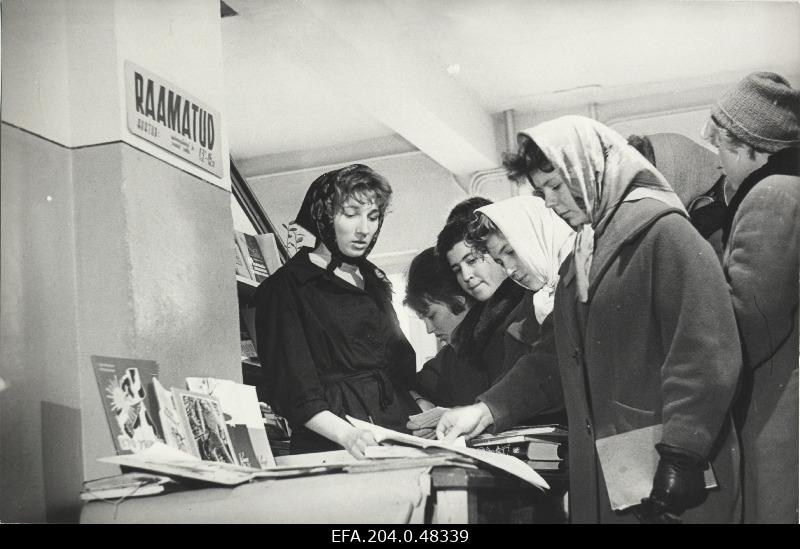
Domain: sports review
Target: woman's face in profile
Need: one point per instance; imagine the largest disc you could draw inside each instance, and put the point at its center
(505, 256)
(441, 321)
(557, 196)
(355, 225)
(479, 276)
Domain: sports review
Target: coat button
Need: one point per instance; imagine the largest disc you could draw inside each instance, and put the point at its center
(575, 355)
(588, 427)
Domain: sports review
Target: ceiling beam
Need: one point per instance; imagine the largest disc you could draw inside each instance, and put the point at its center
(358, 49)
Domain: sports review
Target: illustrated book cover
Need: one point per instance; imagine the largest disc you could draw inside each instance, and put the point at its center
(171, 424)
(240, 407)
(204, 424)
(124, 385)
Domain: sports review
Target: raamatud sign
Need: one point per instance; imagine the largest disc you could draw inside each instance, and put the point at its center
(172, 119)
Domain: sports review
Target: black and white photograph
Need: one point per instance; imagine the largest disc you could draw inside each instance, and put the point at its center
(204, 423)
(455, 263)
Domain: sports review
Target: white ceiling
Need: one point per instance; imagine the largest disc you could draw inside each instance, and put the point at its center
(307, 75)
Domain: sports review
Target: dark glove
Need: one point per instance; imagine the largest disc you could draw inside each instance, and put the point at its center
(678, 485)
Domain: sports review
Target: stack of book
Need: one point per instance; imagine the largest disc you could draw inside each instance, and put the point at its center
(543, 447)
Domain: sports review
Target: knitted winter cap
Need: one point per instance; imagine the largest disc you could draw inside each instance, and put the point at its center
(762, 110)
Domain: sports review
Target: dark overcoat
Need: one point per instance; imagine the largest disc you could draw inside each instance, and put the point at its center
(655, 344)
(761, 265)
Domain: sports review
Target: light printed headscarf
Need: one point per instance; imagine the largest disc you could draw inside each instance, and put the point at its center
(598, 164)
(541, 241)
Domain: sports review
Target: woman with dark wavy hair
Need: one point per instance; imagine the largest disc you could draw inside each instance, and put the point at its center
(328, 338)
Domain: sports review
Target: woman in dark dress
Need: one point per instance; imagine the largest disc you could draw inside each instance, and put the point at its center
(328, 338)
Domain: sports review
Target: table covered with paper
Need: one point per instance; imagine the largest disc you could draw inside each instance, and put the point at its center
(390, 488)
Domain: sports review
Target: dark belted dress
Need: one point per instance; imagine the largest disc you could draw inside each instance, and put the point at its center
(325, 344)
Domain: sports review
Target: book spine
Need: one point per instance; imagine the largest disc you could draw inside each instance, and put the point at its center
(546, 451)
(518, 449)
(254, 250)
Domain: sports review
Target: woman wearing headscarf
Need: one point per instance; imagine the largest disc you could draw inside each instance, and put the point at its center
(756, 127)
(694, 173)
(529, 241)
(328, 338)
(644, 327)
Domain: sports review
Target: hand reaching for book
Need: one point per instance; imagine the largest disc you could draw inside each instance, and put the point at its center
(469, 421)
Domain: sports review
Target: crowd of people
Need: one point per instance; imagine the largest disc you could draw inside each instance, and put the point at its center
(646, 283)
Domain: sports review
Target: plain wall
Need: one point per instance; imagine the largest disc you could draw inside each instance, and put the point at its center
(105, 250)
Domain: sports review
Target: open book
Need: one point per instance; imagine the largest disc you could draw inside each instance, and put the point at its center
(505, 463)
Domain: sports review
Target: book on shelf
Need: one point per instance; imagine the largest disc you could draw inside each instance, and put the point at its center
(240, 407)
(276, 427)
(247, 332)
(248, 349)
(243, 269)
(269, 251)
(249, 258)
(127, 485)
(127, 402)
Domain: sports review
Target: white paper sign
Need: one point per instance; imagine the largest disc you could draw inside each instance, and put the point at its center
(172, 119)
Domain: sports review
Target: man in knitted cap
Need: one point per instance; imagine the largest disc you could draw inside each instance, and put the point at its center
(756, 128)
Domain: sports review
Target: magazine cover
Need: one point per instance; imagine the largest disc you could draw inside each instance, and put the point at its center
(170, 419)
(204, 423)
(127, 401)
(243, 446)
(240, 407)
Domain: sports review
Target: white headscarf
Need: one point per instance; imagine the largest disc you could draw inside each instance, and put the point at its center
(541, 241)
(598, 164)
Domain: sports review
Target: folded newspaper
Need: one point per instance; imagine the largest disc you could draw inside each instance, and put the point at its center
(509, 464)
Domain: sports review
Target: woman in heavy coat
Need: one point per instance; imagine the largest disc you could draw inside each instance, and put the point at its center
(756, 127)
(645, 332)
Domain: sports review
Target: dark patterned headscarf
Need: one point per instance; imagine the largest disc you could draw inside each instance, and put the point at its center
(319, 208)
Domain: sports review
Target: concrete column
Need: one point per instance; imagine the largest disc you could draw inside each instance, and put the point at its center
(110, 245)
